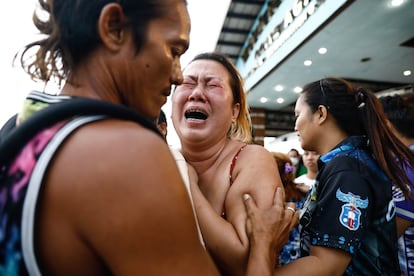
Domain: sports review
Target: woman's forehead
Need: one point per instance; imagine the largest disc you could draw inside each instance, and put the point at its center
(206, 69)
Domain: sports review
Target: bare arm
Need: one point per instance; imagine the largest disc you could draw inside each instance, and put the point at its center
(255, 173)
(322, 260)
(267, 237)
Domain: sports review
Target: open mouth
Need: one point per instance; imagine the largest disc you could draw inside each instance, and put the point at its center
(195, 114)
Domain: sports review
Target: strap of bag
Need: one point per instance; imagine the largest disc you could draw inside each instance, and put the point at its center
(16, 138)
(33, 189)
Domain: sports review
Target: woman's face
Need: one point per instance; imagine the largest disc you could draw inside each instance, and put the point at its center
(305, 124)
(202, 106)
(310, 160)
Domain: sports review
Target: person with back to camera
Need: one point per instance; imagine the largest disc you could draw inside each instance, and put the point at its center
(210, 116)
(310, 160)
(348, 224)
(401, 117)
(112, 201)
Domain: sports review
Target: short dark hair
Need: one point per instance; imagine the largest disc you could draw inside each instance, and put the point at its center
(71, 33)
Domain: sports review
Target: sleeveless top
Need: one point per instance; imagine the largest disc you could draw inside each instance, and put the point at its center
(21, 181)
(18, 199)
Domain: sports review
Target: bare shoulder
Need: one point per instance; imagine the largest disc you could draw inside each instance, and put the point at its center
(114, 150)
(258, 149)
(256, 153)
(118, 156)
(255, 172)
(117, 191)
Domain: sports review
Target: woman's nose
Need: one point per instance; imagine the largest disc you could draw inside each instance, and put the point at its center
(197, 94)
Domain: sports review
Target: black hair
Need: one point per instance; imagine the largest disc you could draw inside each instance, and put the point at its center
(71, 34)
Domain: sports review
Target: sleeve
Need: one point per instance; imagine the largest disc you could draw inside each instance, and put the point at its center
(404, 206)
(344, 207)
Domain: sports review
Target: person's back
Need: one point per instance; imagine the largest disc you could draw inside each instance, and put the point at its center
(97, 210)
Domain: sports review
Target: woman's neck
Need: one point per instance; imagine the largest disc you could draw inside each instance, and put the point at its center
(203, 157)
(311, 174)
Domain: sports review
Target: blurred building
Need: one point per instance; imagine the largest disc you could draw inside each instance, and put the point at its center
(279, 46)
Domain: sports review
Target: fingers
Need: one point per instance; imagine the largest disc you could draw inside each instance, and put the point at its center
(250, 207)
(269, 225)
(249, 203)
(292, 214)
(295, 219)
(291, 208)
(288, 208)
(246, 197)
(278, 198)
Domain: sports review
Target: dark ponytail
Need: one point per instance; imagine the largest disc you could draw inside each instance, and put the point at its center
(359, 112)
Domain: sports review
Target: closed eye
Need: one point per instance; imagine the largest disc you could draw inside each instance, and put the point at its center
(214, 84)
(189, 81)
(188, 84)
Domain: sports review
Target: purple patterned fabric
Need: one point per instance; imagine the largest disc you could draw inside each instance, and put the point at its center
(13, 187)
(405, 210)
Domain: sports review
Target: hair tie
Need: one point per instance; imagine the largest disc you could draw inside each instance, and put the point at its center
(289, 168)
(360, 98)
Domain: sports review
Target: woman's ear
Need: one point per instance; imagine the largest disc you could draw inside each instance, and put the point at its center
(322, 113)
(235, 112)
(111, 26)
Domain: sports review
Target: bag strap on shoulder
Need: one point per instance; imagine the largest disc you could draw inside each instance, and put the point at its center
(17, 137)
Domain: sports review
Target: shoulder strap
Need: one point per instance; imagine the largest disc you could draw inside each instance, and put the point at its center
(8, 126)
(17, 137)
(30, 202)
(233, 162)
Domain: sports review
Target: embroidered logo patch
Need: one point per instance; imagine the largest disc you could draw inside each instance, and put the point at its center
(350, 215)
